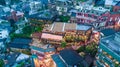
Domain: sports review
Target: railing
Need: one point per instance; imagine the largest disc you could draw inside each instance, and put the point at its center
(109, 51)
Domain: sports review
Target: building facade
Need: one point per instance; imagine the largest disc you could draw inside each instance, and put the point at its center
(68, 32)
(109, 51)
(88, 13)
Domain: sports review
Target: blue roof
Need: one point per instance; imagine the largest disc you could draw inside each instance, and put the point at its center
(118, 4)
(21, 43)
(22, 40)
(58, 61)
(71, 57)
(83, 27)
(73, 14)
(42, 50)
(111, 45)
(19, 46)
(108, 32)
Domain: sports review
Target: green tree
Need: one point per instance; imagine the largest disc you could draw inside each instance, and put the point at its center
(63, 44)
(28, 30)
(64, 18)
(81, 49)
(38, 28)
(1, 63)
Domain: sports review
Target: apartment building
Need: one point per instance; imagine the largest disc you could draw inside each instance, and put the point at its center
(109, 51)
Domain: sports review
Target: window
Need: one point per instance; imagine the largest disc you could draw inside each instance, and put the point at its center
(0, 36)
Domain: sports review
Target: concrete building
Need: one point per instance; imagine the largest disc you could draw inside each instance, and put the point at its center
(4, 33)
(69, 58)
(35, 6)
(60, 31)
(62, 6)
(111, 2)
(109, 51)
(88, 13)
(116, 8)
(45, 16)
(20, 44)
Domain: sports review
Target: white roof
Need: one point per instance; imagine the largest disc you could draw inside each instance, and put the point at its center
(22, 57)
(19, 13)
(6, 9)
(11, 10)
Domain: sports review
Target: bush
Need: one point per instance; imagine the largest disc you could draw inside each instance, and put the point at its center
(64, 18)
(1, 63)
(63, 44)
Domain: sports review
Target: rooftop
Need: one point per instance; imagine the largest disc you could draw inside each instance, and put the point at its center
(11, 58)
(118, 4)
(108, 32)
(71, 57)
(111, 44)
(83, 27)
(51, 36)
(20, 43)
(22, 40)
(44, 15)
(58, 61)
(42, 49)
(61, 27)
(22, 57)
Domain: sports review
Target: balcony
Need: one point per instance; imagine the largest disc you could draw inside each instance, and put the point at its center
(99, 64)
(110, 52)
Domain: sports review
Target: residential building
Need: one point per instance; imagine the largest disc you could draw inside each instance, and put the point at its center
(42, 51)
(14, 59)
(35, 6)
(45, 16)
(62, 6)
(5, 11)
(109, 51)
(69, 58)
(116, 8)
(20, 44)
(4, 33)
(99, 2)
(4, 23)
(111, 2)
(107, 32)
(21, 24)
(2, 46)
(60, 31)
(111, 20)
(89, 13)
(15, 15)
(51, 38)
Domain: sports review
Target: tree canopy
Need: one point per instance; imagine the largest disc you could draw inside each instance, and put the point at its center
(1, 63)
